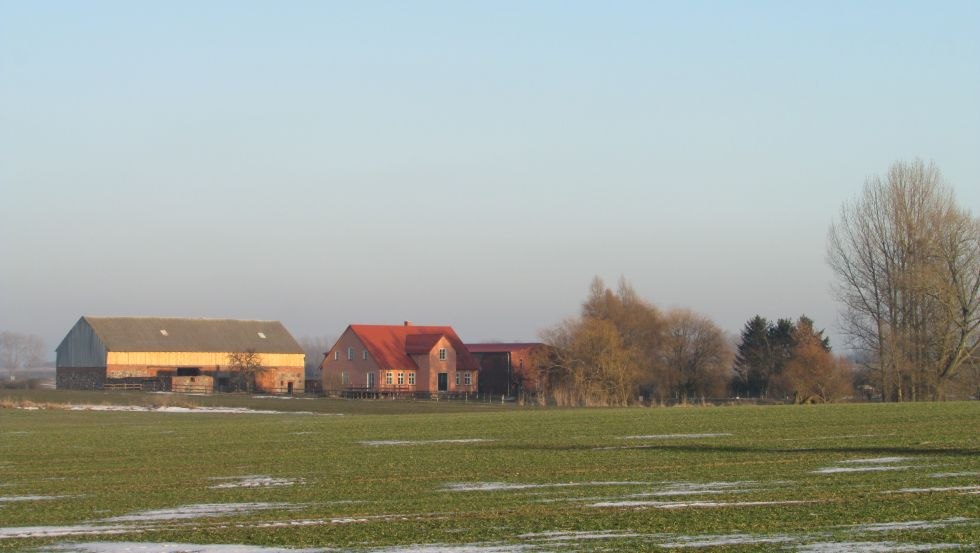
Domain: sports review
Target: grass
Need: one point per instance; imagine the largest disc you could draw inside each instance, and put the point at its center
(755, 465)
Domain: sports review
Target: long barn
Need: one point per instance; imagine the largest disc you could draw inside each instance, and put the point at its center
(180, 354)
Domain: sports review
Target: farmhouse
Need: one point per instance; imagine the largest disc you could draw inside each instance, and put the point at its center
(508, 368)
(400, 359)
(178, 354)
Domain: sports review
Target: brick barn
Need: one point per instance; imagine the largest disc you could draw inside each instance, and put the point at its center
(508, 368)
(403, 358)
(180, 354)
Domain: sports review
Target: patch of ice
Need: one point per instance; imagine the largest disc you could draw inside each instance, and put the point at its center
(694, 504)
(878, 460)
(954, 474)
(254, 481)
(677, 436)
(19, 532)
(835, 470)
(12, 498)
(200, 510)
(723, 540)
(909, 525)
(177, 409)
(464, 548)
(423, 442)
(696, 488)
(142, 547)
(872, 547)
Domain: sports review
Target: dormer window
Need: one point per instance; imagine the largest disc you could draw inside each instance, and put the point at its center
(261, 335)
(442, 354)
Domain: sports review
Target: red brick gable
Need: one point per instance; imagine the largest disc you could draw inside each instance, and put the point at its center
(391, 346)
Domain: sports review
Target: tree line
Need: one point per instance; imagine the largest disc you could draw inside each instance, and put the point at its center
(21, 351)
(907, 262)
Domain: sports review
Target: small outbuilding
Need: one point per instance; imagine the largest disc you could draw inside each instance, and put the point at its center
(185, 354)
(509, 368)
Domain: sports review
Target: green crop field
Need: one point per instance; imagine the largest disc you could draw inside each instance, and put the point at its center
(427, 477)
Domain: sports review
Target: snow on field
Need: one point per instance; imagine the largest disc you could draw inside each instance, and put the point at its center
(504, 486)
(870, 468)
(133, 547)
(60, 531)
(946, 489)
(877, 460)
(11, 498)
(200, 510)
(377, 443)
(910, 525)
(177, 409)
(694, 504)
(253, 481)
(954, 474)
(575, 536)
(723, 540)
(873, 547)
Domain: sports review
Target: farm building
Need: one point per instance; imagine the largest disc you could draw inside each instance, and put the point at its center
(508, 368)
(178, 354)
(400, 359)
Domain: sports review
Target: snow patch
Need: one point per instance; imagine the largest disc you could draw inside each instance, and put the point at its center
(909, 525)
(576, 536)
(878, 460)
(872, 547)
(954, 474)
(723, 540)
(970, 489)
(128, 547)
(423, 442)
(200, 510)
(253, 481)
(874, 468)
(12, 498)
(694, 504)
(177, 409)
(500, 486)
(60, 531)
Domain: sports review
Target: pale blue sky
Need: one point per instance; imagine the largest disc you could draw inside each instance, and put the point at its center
(470, 163)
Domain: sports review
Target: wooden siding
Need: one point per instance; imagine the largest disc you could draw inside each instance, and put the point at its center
(203, 360)
(81, 348)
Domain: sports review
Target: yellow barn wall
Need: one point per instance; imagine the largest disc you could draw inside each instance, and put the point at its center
(203, 359)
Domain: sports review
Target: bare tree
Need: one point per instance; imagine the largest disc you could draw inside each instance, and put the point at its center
(907, 261)
(20, 351)
(246, 365)
(695, 358)
(812, 373)
(315, 348)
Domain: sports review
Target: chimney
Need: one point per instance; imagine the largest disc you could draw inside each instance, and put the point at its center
(408, 323)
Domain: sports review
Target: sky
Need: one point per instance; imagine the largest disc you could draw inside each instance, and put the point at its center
(466, 163)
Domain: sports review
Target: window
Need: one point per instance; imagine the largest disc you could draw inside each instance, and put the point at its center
(401, 379)
(442, 354)
(350, 354)
(336, 355)
(457, 378)
(344, 379)
(261, 335)
(163, 332)
(468, 378)
(388, 378)
(364, 355)
(411, 378)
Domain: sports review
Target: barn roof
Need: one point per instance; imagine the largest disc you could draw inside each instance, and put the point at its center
(392, 345)
(502, 347)
(187, 334)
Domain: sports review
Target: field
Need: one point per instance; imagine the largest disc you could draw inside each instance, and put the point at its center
(427, 477)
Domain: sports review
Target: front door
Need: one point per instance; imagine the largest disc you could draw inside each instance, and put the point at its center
(443, 382)
(370, 382)
(289, 388)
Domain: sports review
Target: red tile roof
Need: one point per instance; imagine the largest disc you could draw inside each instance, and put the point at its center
(391, 345)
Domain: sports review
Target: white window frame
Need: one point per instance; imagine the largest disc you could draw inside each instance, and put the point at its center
(364, 355)
(401, 378)
(468, 378)
(336, 355)
(442, 354)
(350, 354)
(388, 380)
(411, 378)
(457, 378)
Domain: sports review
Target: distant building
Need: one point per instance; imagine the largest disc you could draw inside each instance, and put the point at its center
(400, 359)
(176, 354)
(507, 368)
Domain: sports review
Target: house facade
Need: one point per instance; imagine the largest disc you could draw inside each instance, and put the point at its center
(407, 358)
(179, 354)
(508, 368)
